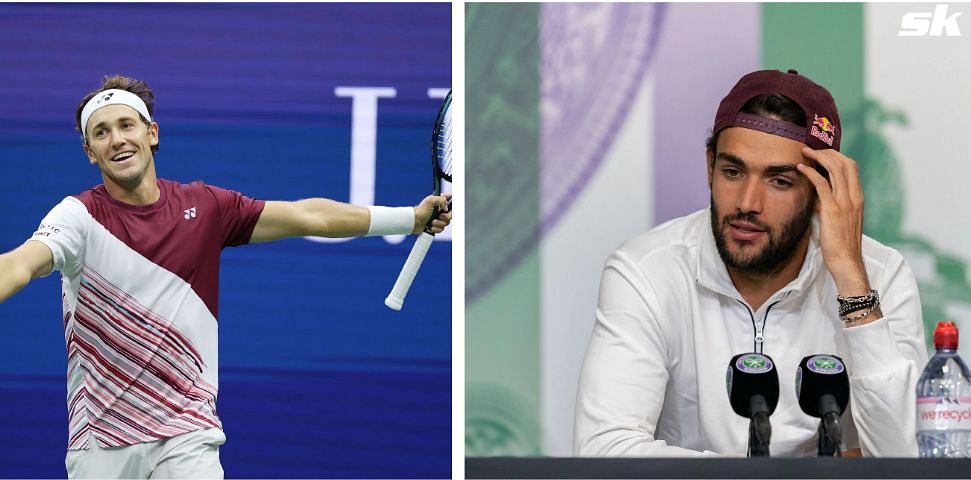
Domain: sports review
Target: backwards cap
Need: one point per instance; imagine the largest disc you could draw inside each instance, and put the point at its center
(823, 130)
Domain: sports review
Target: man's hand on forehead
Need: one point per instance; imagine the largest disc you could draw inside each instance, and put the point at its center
(840, 216)
(818, 167)
(824, 168)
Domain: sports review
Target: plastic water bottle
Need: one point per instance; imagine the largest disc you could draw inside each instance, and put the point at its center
(944, 399)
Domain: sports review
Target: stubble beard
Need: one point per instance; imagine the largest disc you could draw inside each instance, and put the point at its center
(131, 177)
(772, 257)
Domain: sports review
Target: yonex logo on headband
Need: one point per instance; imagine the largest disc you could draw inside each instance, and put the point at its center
(113, 97)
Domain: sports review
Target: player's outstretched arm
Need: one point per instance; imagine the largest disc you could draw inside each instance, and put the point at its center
(23, 264)
(321, 217)
(318, 217)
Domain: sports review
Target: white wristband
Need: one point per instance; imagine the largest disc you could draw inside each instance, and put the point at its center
(391, 221)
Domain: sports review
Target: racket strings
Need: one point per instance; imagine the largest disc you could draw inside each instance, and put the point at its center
(444, 145)
(445, 155)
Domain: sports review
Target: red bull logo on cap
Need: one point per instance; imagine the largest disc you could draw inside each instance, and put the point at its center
(823, 129)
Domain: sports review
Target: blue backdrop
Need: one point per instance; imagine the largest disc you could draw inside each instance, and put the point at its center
(317, 377)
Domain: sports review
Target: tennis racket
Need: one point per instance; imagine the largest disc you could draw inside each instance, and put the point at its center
(441, 172)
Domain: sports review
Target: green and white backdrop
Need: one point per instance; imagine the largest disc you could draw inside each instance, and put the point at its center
(586, 125)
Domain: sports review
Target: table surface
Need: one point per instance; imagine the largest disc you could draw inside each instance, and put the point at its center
(827, 468)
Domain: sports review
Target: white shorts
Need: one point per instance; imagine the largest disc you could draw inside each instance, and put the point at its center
(190, 455)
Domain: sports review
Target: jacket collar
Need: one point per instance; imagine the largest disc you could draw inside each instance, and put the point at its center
(713, 274)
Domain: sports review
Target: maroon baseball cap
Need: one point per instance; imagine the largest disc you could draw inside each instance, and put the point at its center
(823, 130)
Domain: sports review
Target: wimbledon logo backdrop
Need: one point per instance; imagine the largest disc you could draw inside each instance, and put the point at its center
(600, 113)
(280, 102)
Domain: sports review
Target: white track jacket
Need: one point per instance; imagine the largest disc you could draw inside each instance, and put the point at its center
(669, 319)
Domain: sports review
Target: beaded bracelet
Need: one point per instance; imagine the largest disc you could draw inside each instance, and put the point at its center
(860, 316)
(847, 305)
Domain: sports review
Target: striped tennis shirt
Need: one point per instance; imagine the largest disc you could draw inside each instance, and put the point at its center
(140, 292)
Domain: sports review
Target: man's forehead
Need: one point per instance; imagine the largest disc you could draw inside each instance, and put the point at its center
(772, 167)
(758, 149)
(111, 113)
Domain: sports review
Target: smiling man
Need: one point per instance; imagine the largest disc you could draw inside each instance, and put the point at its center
(139, 263)
(777, 265)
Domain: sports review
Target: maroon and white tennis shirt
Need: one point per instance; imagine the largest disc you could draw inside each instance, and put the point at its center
(140, 287)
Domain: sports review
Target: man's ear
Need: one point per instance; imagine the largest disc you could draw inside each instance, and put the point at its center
(89, 153)
(710, 156)
(153, 133)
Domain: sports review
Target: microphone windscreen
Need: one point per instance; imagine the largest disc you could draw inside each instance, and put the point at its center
(819, 375)
(751, 374)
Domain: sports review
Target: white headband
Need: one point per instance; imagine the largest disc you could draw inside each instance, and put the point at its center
(112, 97)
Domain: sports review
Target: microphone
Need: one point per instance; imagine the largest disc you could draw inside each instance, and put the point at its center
(823, 388)
(753, 391)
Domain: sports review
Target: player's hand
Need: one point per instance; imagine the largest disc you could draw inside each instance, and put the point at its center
(840, 210)
(427, 207)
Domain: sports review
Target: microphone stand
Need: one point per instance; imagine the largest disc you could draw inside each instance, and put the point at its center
(830, 433)
(759, 428)
(825, 446)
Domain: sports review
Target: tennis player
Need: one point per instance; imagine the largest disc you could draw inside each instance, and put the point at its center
(778, 264)
(139, 263)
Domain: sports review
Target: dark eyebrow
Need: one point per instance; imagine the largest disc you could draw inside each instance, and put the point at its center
(770, 170)
(776, 169)
(120, 119)
(731, 159)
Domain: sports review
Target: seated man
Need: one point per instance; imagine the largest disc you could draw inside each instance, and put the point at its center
(765, 269)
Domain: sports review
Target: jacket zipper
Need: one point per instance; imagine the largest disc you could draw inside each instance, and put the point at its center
(758, 345)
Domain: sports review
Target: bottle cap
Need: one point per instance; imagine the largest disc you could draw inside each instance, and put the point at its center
(946, 335)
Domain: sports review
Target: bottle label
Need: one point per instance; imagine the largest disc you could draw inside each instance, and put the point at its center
(943, 413)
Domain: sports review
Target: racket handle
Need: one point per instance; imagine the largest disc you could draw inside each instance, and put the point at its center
(397, 296)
